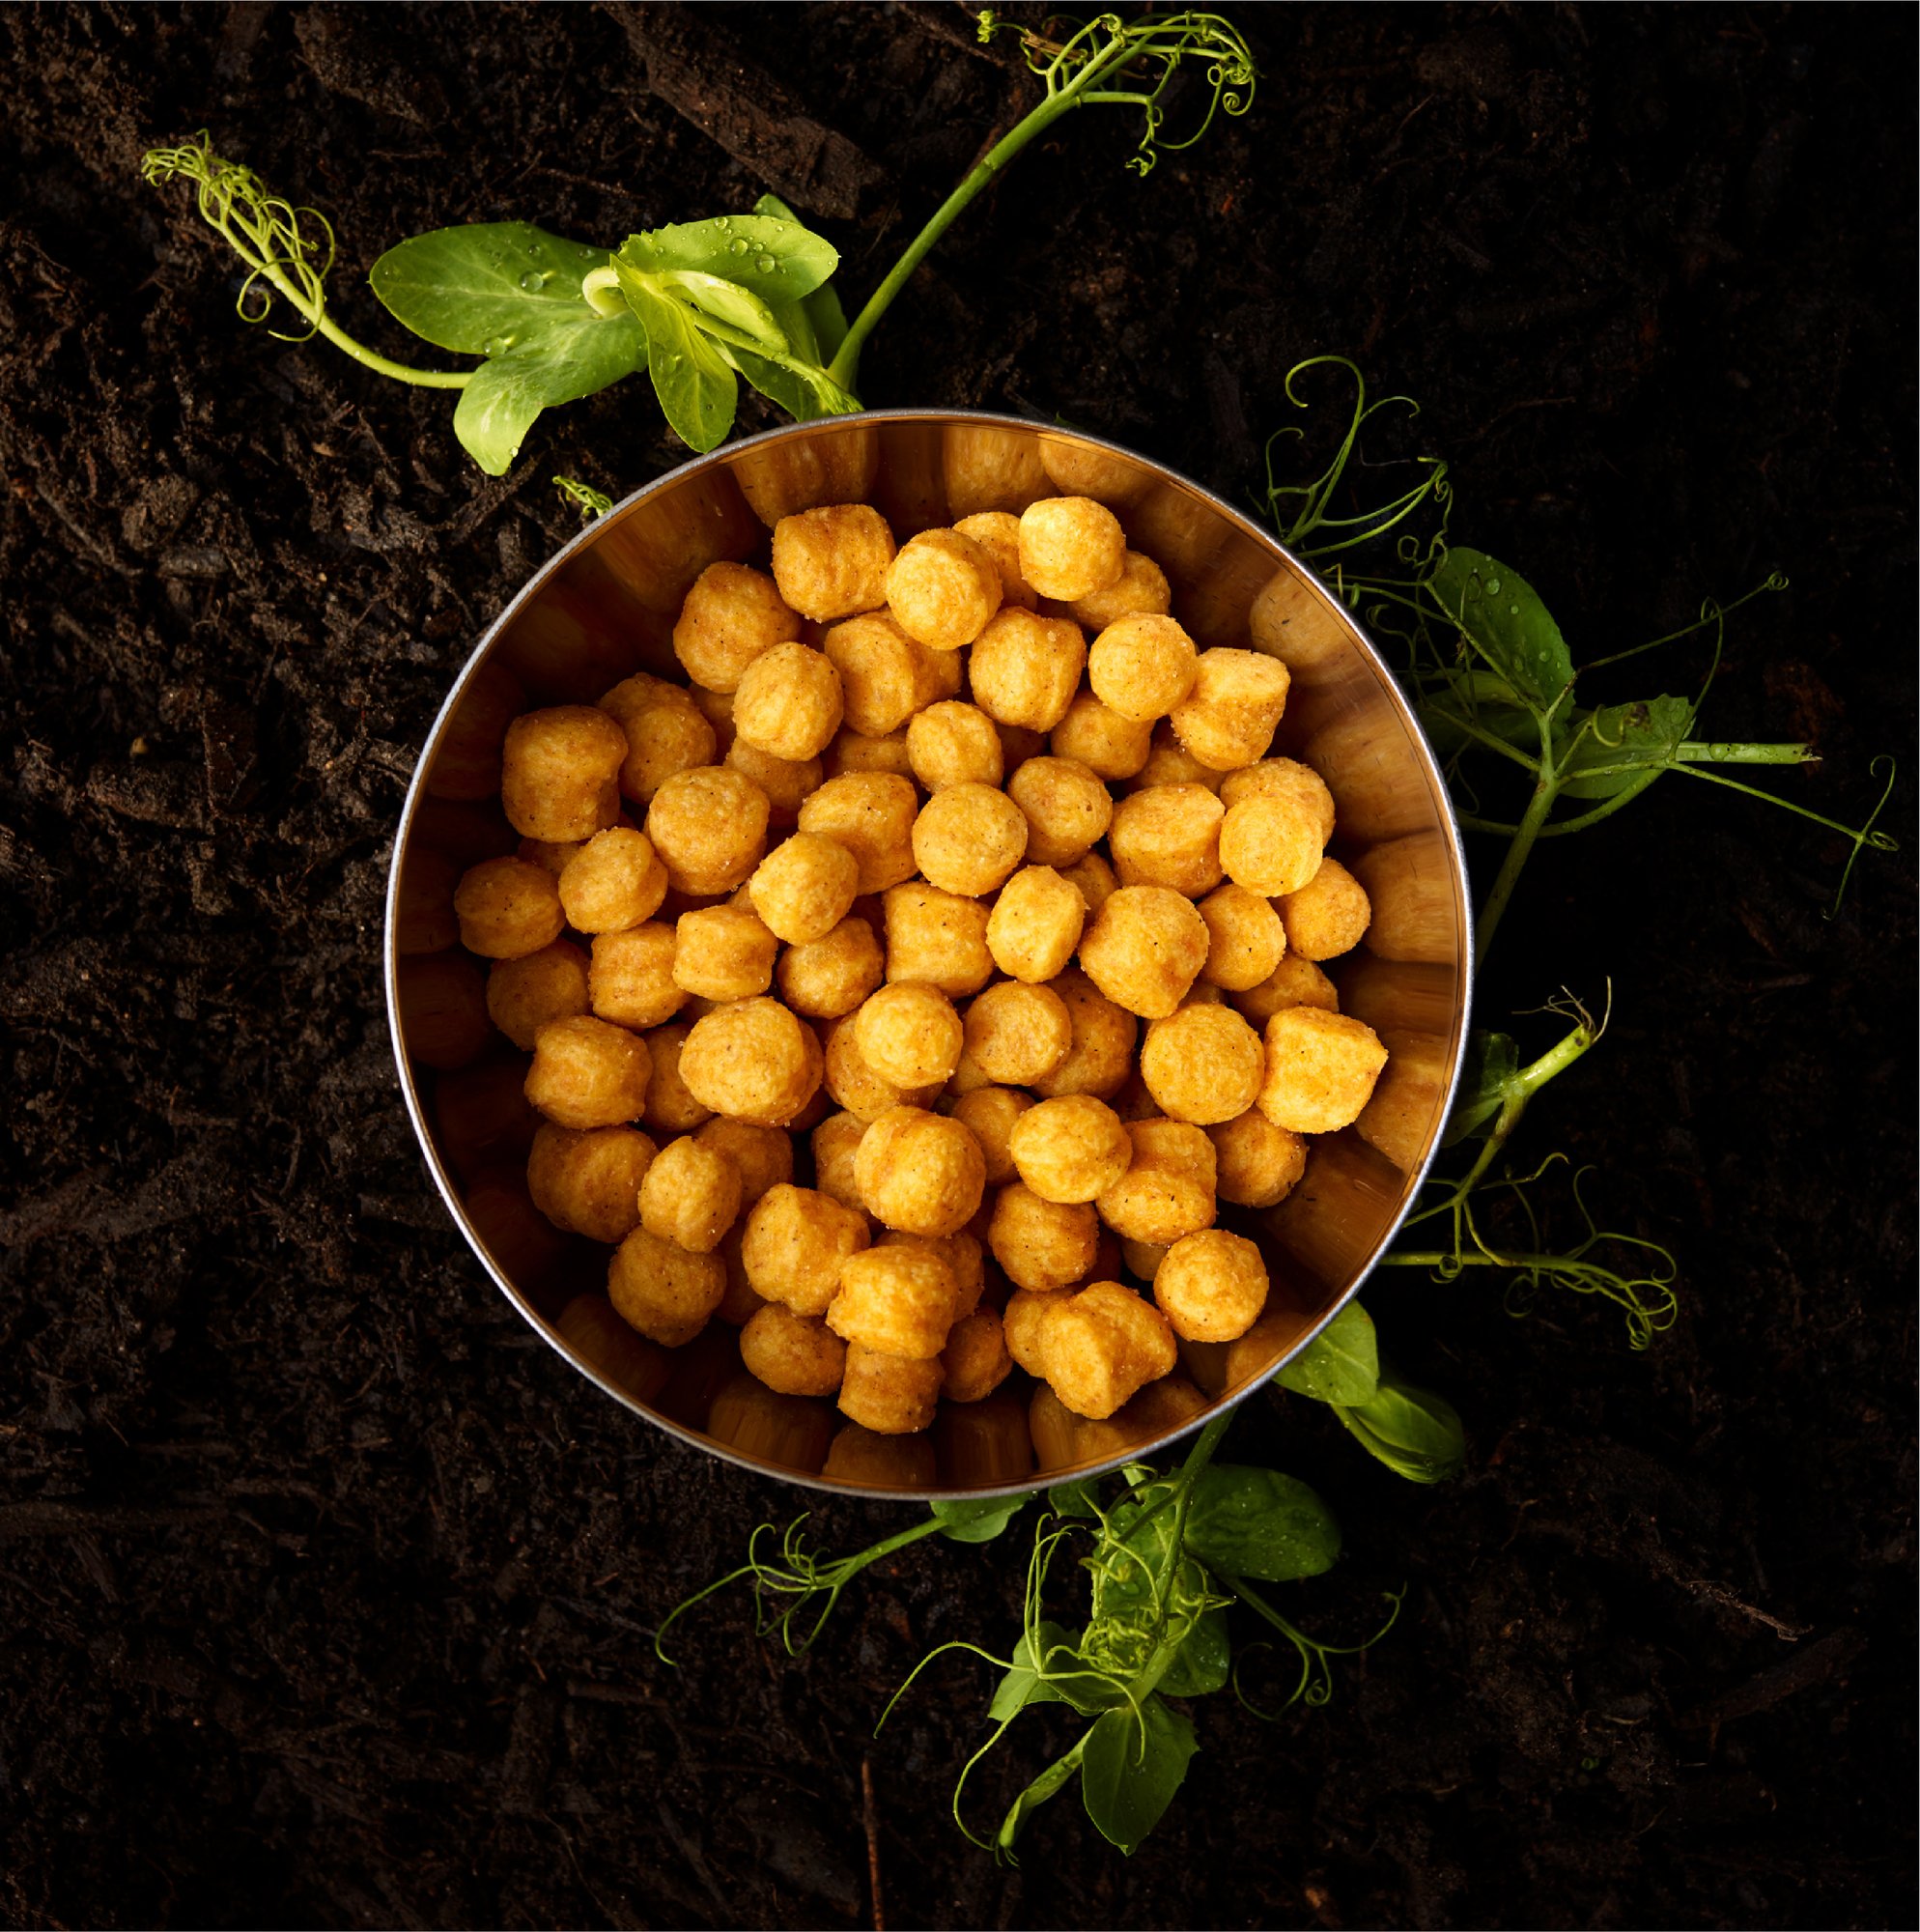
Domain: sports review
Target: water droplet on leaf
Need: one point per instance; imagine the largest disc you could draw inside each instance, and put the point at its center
(738, 245)
(531, 281)
(766, 264)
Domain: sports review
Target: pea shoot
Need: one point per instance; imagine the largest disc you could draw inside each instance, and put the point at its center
(700, 305)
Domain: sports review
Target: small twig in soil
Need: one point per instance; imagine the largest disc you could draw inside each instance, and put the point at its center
(871, 1817)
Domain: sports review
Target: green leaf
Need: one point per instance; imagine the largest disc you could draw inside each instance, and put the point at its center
(560, 364)
(485, 287)
(1627, 747)
(804, 392)
(1075, 1498)
(778, 260)
(1484, 699)
(1201, 1664)
(977, 1520)
(1416, 1432)
(1491, 1063)
(1341, 1364)
(817, 325)
(1132, 1767)
(1501, 611)
(729, 303)
(1259, 1523)
(693, 381)
(1023, 1683)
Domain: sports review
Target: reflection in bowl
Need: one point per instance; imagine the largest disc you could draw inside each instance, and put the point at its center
(605, 608)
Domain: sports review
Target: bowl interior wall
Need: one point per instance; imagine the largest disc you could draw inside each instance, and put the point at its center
(606, 608)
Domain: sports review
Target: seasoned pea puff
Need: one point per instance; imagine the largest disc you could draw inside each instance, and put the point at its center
(788, 782)
(997, 533)
(805, 887)
(850, 752)
(1168, 836)
(1035, 924)
(523, 995)
(968, 838)
(1041, 1245)
(691, 1195)
(1320, 1069)
(1328, 916)
(586, 1074)
(896, 1300)
(716, 708)
(1024, 1323)
(665, 730)
(1101, 1055)
(795, 1243)
(613, 881)
(832, 562)
(891, 1395)
(710, 828)
(1141, 591)
(1025, 668)
(1228, 720)
(1259, 1164)
(1244, 939)
(442, 1009)
(1168, 1190)
(1212, 1286)
(909, 1034)
(882, 673)
(974, 1358)
(1270, 845)
(1094, 879)
(1145, 950)
(988, 1114)
(1066, 806)
(1169, 762)
(752, 1061)
(1294, 982)
(854, 1086)
(507, 908)
(954, 744)
(1018, 1034)
(1282, 778)
(560, 772)
(723, 952)
(668, 1294)
(631, 979)
(670, 1107)
(941, 588)
(871, 813)
(589, 1183)
(763, 1155)
(731, 615)
(1203, 1064)
(834, 1143)
(788, 702)
(938, 937)
(1143, 665)
(963, 1254)
(1071, 1150)
(1071, 547)
(919, 1171)
(829, 977)
(791, 1354)
(1095, 735)
(1104, 1345)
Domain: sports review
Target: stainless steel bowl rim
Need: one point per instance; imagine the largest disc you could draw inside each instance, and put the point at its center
(694, 1438)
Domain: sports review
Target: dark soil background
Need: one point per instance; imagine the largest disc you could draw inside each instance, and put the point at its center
(328, 1590)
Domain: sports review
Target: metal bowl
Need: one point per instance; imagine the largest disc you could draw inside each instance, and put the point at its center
(604, 607)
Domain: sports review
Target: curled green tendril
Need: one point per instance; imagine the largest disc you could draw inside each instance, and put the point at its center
(1315, 1687)
(584, 497)
(264, 230)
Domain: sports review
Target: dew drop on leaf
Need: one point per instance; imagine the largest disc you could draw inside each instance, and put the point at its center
(1493, 587)
(531, 281)
(766, 264)
(738, 245)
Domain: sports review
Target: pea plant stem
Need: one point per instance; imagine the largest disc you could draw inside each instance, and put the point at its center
(382, 365)
(1545, 790)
